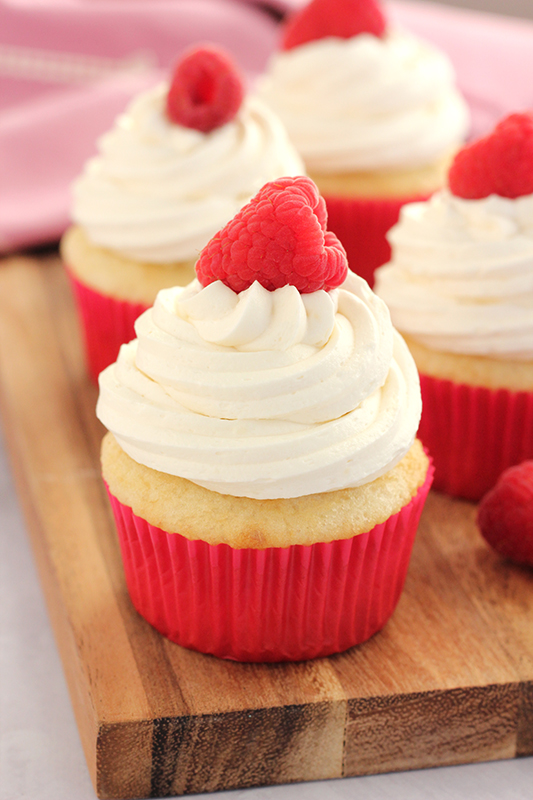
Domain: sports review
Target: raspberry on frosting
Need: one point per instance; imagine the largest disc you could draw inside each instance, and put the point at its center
(278, 238)
(500, 163)
(206, 90)
(340, 18)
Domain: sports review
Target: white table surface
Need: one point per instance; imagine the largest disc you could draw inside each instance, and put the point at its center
(40, 752)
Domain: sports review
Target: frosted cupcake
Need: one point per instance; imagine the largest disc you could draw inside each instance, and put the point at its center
(460, 288)
(261, 462)
(373, 111)
(178, 164)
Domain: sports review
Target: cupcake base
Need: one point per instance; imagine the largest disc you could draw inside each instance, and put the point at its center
(362, 224)
(111, 291)
(274, 604)
(473, 433)
(106, 324)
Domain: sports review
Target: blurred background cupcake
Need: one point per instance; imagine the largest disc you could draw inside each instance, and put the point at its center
(373, 111)
(460, 289)
(177, 165)
(261, 461)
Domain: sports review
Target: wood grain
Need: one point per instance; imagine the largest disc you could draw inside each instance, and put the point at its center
(449, 680)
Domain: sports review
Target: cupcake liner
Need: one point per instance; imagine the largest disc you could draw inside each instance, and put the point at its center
(276, 604)
(106, 324)
(361, 225)
(473, 434)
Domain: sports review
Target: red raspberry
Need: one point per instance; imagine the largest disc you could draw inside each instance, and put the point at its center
(278, 238)
(206, 90)
(500, 163)
(505, 514)
(341, 18)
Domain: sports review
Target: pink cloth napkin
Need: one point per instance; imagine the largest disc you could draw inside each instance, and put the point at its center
(68, 67)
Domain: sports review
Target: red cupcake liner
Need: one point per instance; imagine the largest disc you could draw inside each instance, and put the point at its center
(473, 434)
(361, 225)
(276, 604)
(106, 324)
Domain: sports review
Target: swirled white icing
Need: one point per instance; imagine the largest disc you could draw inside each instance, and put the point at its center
(461, 275)
(264, 394)
(158, 192)
(367, 103)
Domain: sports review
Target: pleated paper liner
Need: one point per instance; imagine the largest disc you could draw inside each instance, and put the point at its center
(106, 324)
(473, 434)
(275, 604)
(361, 224)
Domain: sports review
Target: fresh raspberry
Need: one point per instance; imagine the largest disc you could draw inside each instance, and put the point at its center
(505, 514)
(206, 90)
(341, 18)
(278, 238)
(500, 163)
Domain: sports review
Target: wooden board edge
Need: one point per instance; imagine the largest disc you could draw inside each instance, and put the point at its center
(433, 729)
(524, 745)
(195, 754)
(77, 685)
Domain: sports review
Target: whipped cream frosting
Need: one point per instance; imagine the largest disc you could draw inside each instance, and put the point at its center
(158, 191)
(367, 103)
(264, 394)
(461, 275)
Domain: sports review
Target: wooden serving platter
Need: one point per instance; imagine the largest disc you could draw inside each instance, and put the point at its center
(449, 680)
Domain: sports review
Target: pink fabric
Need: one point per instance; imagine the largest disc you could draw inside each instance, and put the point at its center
(48, 127)
(492, 54)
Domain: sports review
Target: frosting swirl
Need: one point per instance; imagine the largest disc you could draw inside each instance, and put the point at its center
(367, 103)
(264, 394)
(158, 191)
(461, 275)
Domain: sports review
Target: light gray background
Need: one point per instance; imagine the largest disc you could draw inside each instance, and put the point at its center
(515, 8)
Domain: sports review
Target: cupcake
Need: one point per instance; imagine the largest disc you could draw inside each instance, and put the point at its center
(177, 165)
(460, 288)
(374, 113)
(261, 458)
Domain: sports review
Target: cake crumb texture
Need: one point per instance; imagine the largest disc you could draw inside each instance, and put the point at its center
(117, 276)
(177, 505)
(384, 184)
(491, 373)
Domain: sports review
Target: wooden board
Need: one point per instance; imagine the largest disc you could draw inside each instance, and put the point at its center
(448, 681)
